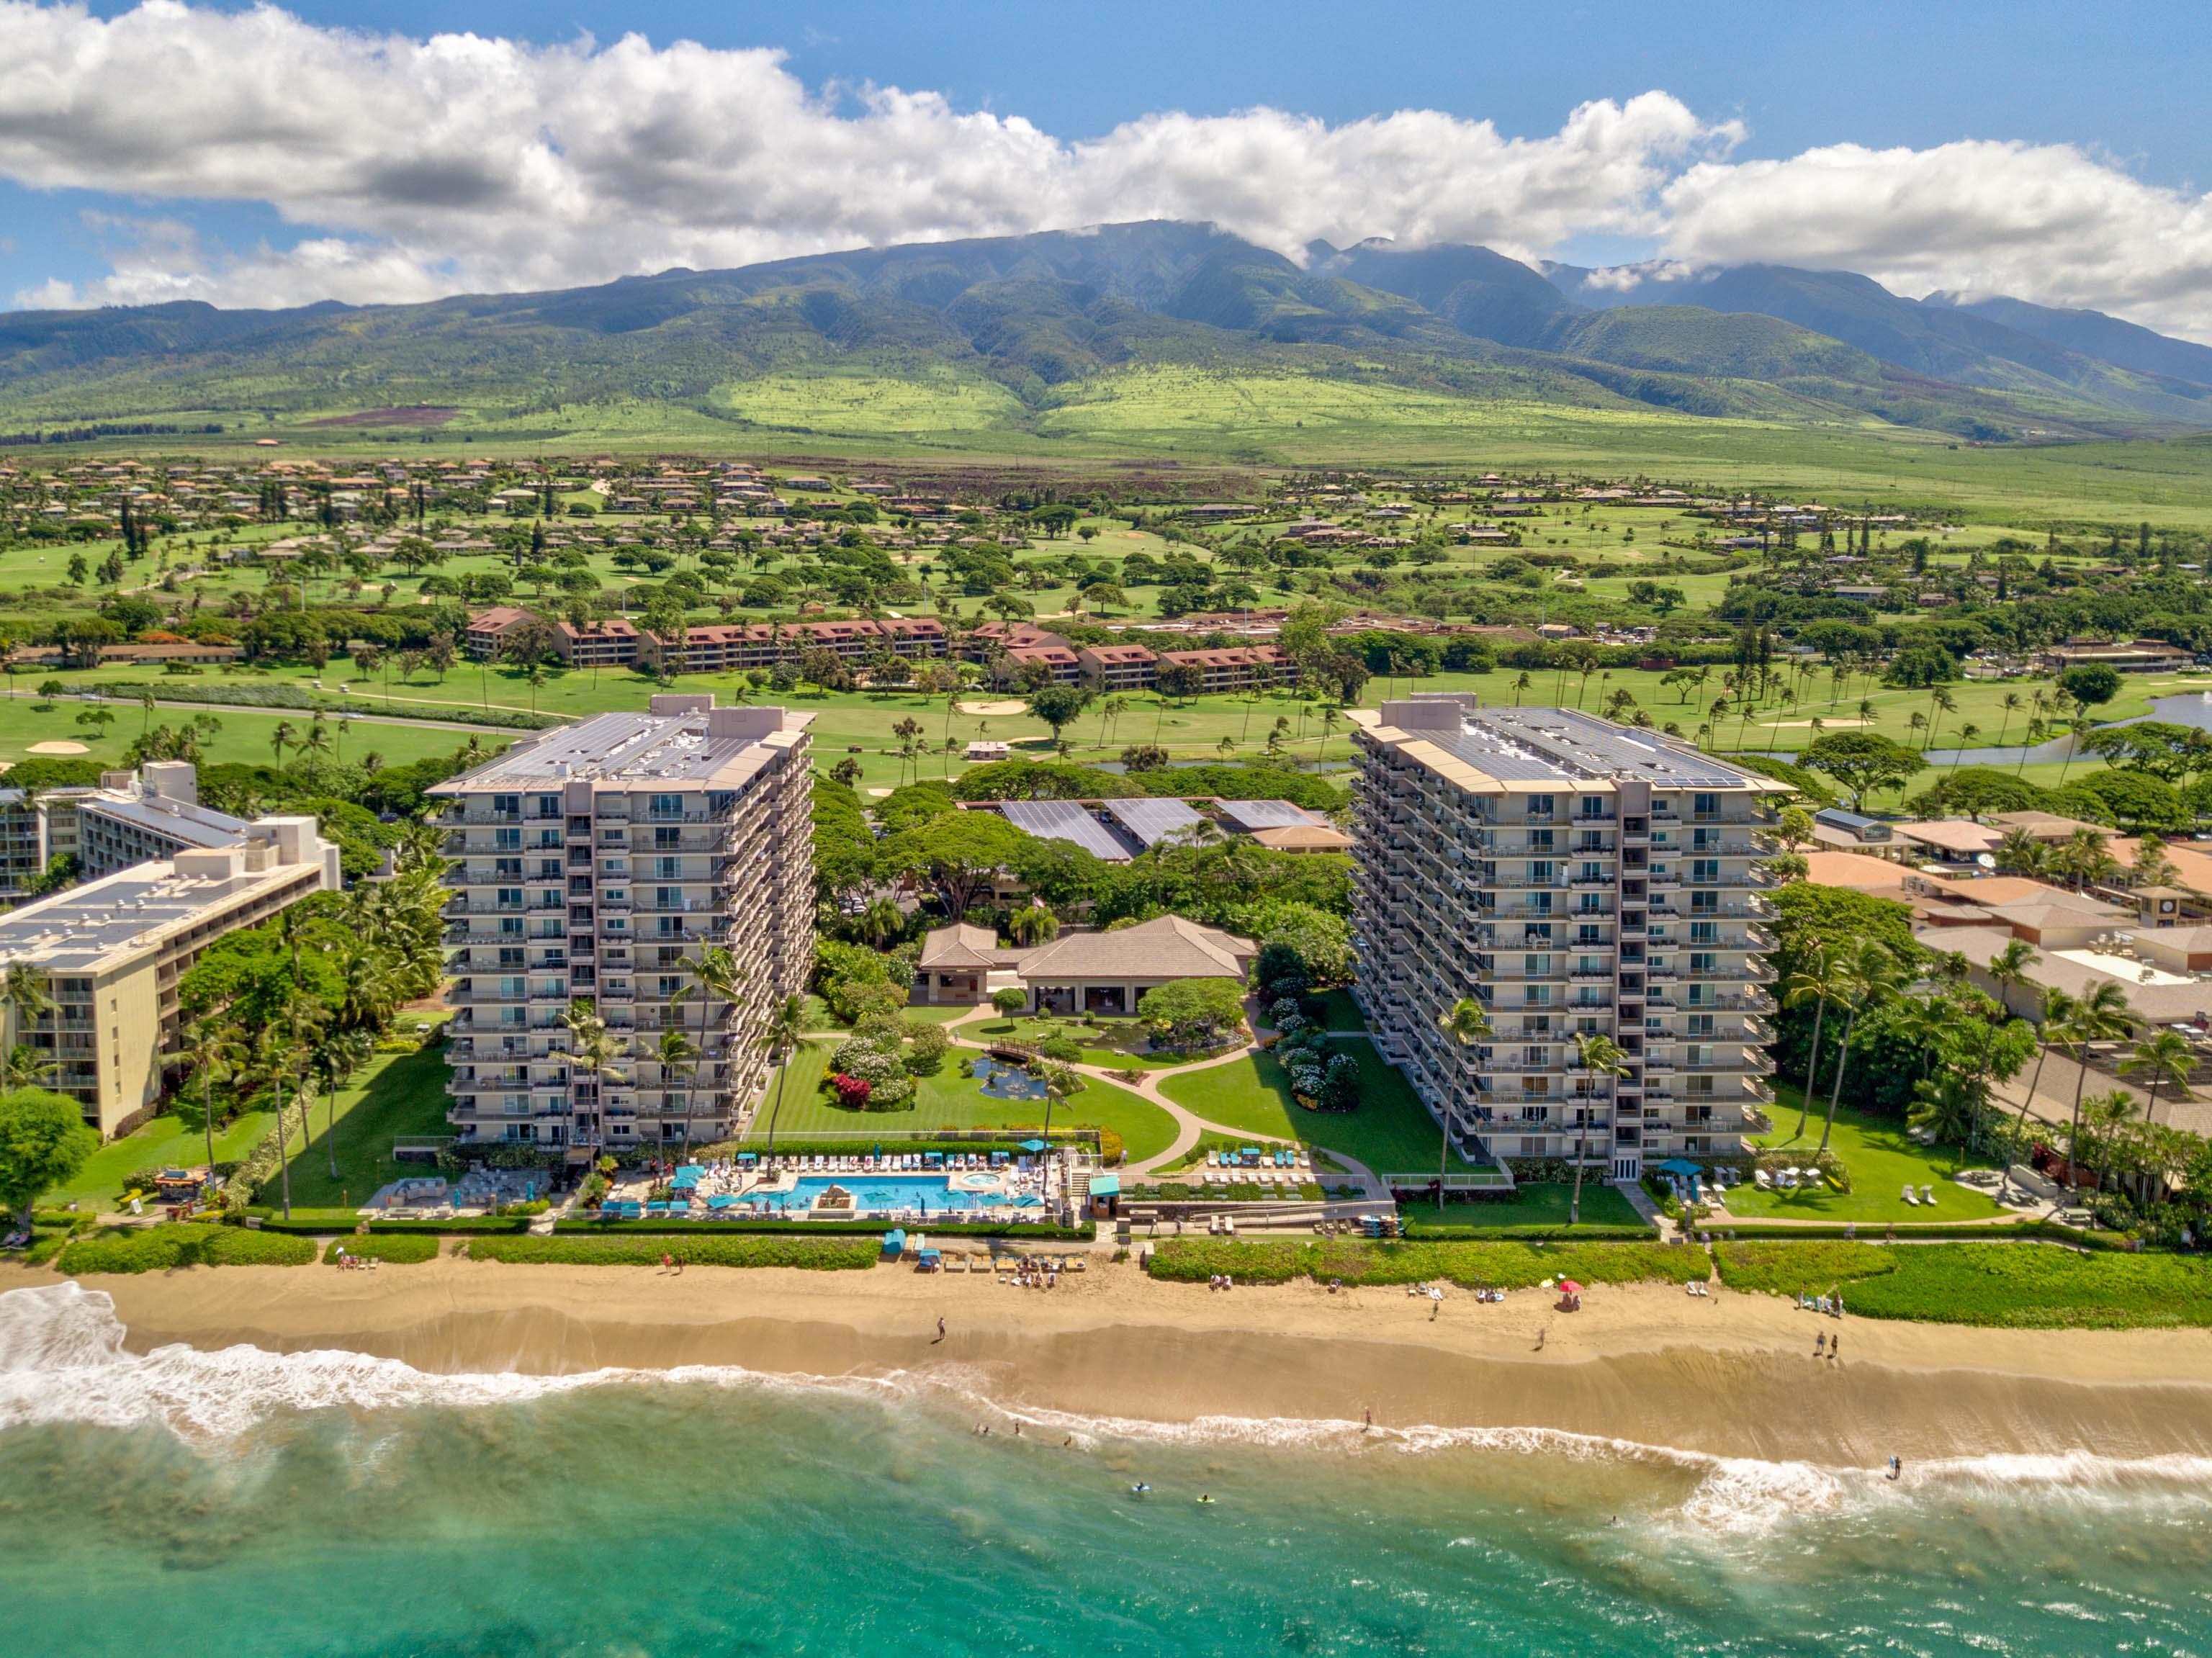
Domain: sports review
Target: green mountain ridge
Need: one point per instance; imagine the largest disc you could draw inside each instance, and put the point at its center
(1022, 327)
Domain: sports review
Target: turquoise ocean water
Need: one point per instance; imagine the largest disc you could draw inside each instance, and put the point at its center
(248, 1503)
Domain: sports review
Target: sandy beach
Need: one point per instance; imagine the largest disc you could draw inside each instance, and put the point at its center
(1731, 1376)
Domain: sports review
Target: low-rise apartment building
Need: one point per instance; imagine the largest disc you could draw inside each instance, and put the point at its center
(111, 951)
(712, 647)
(597, 863)
(1574, 877)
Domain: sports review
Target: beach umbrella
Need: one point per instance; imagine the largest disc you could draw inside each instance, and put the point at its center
(1681, 1166)
(1569, 1287)
(1032, 1146)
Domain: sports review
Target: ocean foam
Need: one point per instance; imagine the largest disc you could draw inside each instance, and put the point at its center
(63, 1360)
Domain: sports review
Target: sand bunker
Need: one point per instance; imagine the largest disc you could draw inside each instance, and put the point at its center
(993, 710)
(58, 748)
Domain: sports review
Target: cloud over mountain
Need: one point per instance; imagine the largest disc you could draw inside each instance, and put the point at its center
(460, 162)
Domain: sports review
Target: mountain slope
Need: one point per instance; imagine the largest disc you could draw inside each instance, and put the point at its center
(2093, 334)
(1938, 341)
(1050, 319)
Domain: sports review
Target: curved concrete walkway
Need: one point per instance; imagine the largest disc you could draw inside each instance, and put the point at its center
(1190, 1126)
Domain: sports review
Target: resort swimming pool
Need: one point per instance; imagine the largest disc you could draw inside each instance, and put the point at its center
(879, 1194)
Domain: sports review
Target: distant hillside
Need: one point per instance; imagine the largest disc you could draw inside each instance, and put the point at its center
(1976, 347)
(1031, 336)
(2093, 334)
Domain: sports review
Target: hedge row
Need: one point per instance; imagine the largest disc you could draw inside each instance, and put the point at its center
(816, 1255)
(875, 1229)
(1453, 1232)
(406, 1250)
(322, 1222)
(160, 1248)
(1504, 1264)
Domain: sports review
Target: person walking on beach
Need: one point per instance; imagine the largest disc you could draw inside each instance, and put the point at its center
(940, 1332)
(1541, 1334)
(1367, 1420)
(1835, 1346)
(1819, 1344)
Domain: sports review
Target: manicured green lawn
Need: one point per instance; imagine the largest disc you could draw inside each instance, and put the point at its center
(1391, 1131)
(1541, 1207)
(953, 1099)
(165, 1139)
(244, 737)
(395, 1094)
(1107, 1046)
(2016, 1285)
(1881, 1160)
(1340, 1011)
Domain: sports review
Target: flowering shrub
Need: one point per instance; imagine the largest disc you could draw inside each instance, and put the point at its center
(852, 1091)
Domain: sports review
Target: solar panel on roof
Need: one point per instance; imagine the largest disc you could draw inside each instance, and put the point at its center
(1152, 821)
(1065, 820)
(1249, 815)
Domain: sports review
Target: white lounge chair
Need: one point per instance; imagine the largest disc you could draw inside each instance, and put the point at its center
(1928, 1196)
(1908, 1195)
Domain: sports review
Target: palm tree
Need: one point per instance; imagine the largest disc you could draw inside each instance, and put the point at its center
(592, 1047)
(786, 1021)
(719, 979)
(2101, 1015)
(675, 1050)
(1466, 1022)
(1822, 979)
(1871, 972)
(2107, 1114)
(1602, 1057)
(23, 988)
(280, 738)
(2167, 1058)
(2010, 704)
(217, 1051)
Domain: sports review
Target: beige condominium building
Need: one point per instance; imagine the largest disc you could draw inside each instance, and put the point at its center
(1573, 876)
(112, 949)
(596, 863)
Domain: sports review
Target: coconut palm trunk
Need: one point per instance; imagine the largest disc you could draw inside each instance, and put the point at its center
(1811, 1070)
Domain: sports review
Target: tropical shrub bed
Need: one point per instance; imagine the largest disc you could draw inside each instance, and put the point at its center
(831, 1254)
(1508, 1265)
(160, 1248)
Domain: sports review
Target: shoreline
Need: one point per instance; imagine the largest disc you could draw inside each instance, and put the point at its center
(1731, 1377)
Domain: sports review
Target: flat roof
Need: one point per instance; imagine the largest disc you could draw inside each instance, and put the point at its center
(1150, 820)
(180, 820)
(1067, 820)
(81, 930)
(1572, 749)
(1249, 815)
(675, 748)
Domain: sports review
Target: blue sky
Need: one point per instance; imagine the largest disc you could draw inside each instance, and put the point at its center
(2117, 86)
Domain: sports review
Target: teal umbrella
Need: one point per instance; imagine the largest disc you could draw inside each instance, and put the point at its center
(1033, 1145)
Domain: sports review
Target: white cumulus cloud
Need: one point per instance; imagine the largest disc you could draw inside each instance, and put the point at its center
(415, 168)
(460, 162)
(2046, 223)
